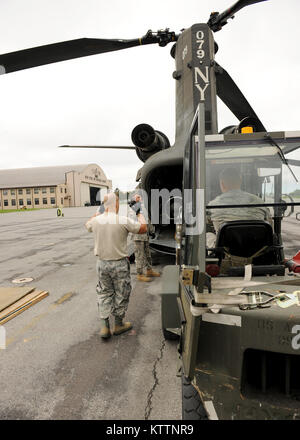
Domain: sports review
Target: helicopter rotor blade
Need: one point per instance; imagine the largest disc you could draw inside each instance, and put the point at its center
(82, 47)
(294, 162)
(113, 147)
(233, 98)
(53, 53)
(217, 21)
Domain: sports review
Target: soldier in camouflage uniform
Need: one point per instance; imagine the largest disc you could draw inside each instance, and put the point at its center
(114, 287)
(230, 184)
(142, 251)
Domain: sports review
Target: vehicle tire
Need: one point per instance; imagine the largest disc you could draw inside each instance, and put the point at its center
(192, 406)
(169, 336)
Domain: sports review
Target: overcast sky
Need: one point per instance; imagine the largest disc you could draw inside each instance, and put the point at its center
(100, 99)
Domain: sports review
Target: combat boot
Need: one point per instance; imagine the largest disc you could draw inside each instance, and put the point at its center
(120, 326)
(152, 273)
(105, 330)
(141, 277)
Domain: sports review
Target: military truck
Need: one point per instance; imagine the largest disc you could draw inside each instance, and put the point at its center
(238, 323)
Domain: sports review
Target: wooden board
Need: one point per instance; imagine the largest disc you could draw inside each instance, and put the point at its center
(9, 295)
(25, 299)
(22, 305)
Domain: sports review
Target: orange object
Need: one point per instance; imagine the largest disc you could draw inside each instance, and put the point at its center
(247, 130)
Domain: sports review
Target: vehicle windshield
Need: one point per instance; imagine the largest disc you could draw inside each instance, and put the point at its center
(240, 176)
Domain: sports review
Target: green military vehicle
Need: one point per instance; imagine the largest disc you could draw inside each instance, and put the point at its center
(234, 305)
(239, 327)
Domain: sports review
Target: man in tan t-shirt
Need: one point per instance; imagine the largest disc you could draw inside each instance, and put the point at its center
(114, 287)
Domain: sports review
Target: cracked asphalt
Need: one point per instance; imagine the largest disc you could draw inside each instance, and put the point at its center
(55, 365)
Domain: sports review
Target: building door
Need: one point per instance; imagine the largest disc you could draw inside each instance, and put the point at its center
(95, 195)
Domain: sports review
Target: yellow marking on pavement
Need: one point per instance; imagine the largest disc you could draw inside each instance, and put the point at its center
(29, 326)
(30, 339)
(64, 298)
(37, 318)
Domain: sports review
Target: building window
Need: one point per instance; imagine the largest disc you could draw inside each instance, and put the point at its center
(44, 201)
(13, 202)
(36, 190)
(28, 201)
(61, 190)
(21, 202)
(5, 192)
(13, 192)
(65, 190)
(52, 190)
(36, 201)
(62, 201)
(5, 202)
(27, 190)
(20, 191)
(52, 200)
(44, 190)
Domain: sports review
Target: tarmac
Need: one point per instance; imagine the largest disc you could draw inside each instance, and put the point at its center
(55, 365)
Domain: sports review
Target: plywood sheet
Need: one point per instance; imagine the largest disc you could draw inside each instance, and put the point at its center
(22, 305)
(9, 295)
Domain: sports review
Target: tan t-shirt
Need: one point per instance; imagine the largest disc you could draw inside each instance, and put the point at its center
(110, 234)
(238, 197)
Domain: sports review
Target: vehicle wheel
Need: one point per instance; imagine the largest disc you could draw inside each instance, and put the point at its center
(169, 336)
(192, 406)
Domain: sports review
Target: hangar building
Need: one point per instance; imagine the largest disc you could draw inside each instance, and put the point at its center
(55, 186)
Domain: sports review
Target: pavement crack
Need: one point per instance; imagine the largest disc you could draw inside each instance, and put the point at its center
(149, 407)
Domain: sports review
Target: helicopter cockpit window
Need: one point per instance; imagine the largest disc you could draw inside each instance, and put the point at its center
(241, 176)
(291, 188)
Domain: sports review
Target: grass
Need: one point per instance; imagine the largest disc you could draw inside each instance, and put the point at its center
(3, 211)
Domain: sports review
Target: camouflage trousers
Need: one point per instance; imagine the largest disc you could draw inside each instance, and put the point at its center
(113, 288)
(142, 256)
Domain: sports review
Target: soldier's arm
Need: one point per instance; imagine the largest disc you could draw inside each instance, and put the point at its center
(132, 225)
(142, 221)
(89, 225)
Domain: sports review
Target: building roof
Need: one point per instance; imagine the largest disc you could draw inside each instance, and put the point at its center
(37, 176)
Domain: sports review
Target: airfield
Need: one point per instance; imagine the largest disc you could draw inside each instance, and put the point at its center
(55, 365)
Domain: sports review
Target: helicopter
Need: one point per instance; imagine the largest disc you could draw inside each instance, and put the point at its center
(249, 346)
(198, 77)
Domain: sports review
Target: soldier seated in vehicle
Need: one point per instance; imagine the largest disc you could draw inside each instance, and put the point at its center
(230, 184)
